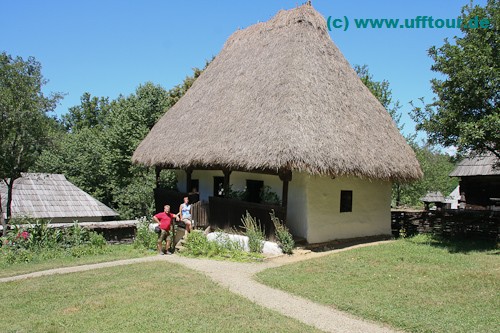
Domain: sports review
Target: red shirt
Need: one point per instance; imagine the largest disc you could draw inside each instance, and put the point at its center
(165, 220)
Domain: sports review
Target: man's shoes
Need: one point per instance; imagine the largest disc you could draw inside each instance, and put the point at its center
(168, 253)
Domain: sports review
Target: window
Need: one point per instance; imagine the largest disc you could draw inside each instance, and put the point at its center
(253, 190)
(194, 186)
(345, 201)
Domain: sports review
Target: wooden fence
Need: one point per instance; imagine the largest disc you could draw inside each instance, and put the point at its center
(227, 213)
(451, 223)
(200, 212)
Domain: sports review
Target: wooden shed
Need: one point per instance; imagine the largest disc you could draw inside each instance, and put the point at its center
(52, 196)
(479, 180)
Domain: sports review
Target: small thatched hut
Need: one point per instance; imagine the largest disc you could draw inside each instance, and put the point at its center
(280, 106)
(52, 196)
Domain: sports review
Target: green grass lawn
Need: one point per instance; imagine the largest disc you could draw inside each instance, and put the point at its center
(147, 297)
(419, 284)
(114, 252)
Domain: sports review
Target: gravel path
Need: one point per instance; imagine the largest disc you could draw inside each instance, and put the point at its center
(238, 278)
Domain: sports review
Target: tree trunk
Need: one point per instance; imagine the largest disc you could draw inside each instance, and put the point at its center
(398, 195)
(8, 208)
(2, 220)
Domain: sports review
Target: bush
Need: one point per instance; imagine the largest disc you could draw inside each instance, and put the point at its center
(145, 237)
(269, 197)
(38, 240)
(283, 235)
(237, 194)
(254, 233)
(198, 245)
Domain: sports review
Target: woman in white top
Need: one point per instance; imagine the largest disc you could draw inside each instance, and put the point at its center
(185, 214)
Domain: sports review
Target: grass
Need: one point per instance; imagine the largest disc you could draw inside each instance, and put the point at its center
(113, 252)
(147, 297)
(419, 284)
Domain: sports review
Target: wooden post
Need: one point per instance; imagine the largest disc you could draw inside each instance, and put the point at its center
(157, 173)
(189, 173)
(286, 177)
(227, 173)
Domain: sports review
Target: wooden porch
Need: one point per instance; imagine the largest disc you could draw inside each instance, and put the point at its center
(220, 211)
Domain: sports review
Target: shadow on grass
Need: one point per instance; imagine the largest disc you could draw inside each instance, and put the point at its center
(343, 243)
(458, 245)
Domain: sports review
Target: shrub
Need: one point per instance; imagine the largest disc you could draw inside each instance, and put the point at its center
(254, 233)
(198, 245)
(97, 240)
(269, 197)
(145, 237)
(38, 240)
(237, 194)
(283, 235)
(76, 235)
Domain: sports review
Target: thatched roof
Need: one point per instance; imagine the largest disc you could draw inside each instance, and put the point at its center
(280, 95)
(42, 195)
(482, 165)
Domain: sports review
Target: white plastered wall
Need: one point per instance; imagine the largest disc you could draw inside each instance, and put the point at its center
(371, 208)
(297, 205)
(238, 181)
(205, 178)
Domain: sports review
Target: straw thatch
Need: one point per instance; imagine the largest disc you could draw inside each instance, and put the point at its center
(280, 95)
(52, 196)
(482, 165)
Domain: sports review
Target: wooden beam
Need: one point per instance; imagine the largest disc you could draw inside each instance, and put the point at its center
(189, 173)
(274, 172)
(157, 173)
(286, 177)
(227, 174)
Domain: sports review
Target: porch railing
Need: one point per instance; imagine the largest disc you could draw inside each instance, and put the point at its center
(200, 214)
(227, 213)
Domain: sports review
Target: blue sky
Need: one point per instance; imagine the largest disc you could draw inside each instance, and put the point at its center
(108, 48)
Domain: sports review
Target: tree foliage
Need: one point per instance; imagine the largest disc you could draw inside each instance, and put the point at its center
(24, 123)
(91, 113)
(95, 147)
(436, 167)
(466, 112)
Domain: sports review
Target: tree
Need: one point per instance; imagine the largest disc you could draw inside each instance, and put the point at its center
(92, 112)
(24, 124)
(80, 157)
(97, 140)
(130, 120)
(466, 112)
(436, 167)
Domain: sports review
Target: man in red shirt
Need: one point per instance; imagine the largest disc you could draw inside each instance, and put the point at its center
(164, 220)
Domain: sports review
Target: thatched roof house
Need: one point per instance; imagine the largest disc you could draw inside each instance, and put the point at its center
(52, 196)
(479, 180)
(280, 98)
